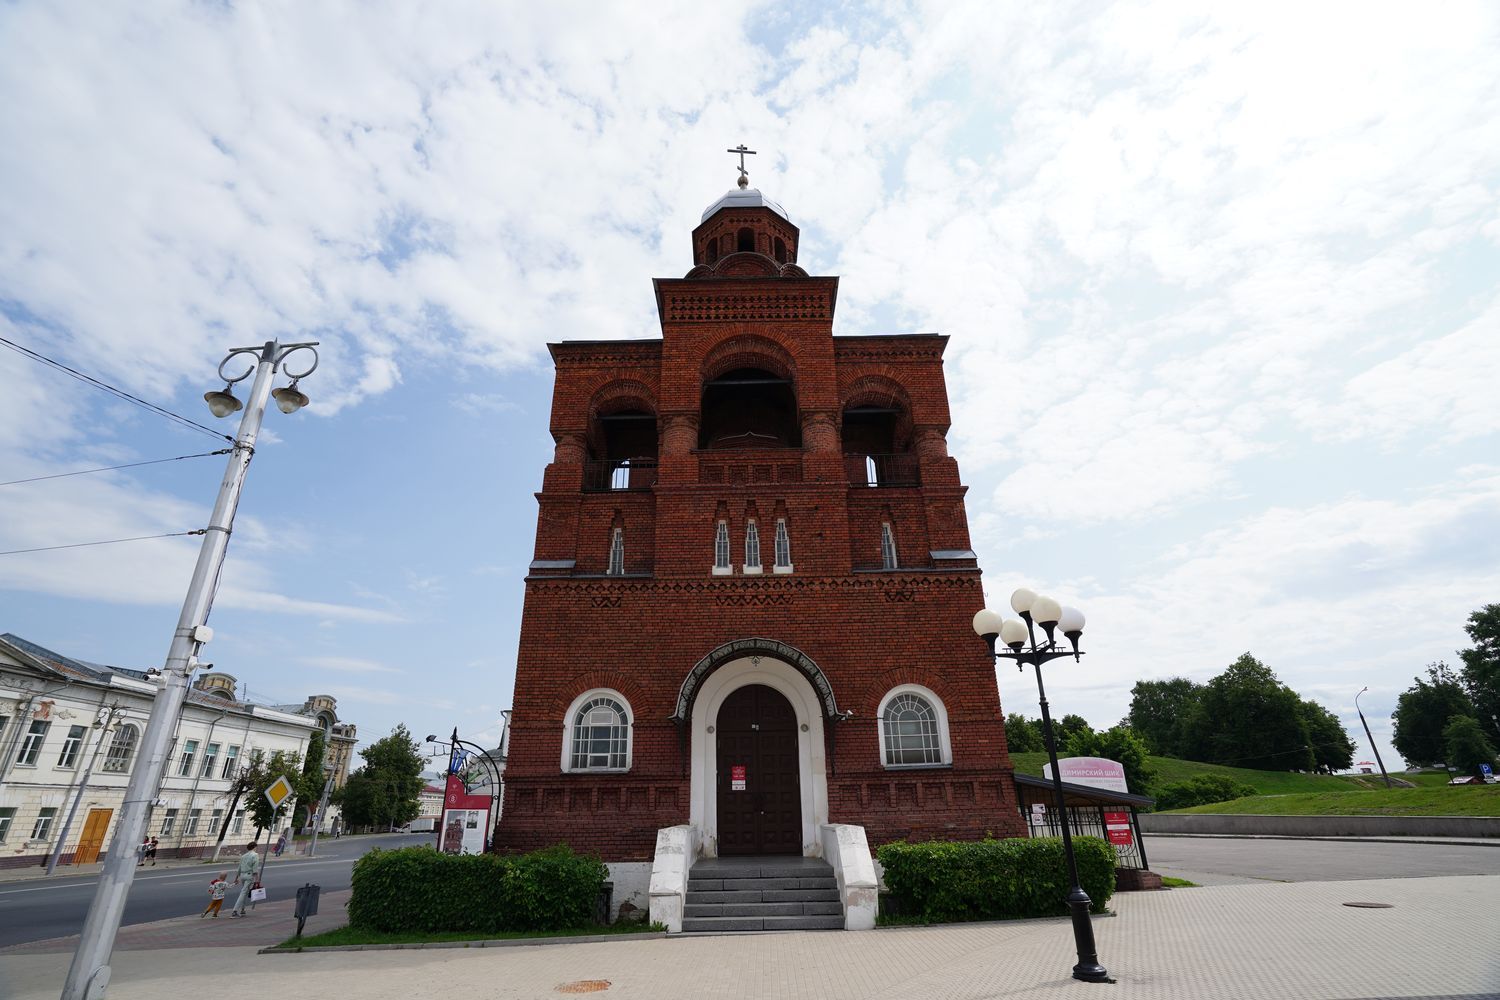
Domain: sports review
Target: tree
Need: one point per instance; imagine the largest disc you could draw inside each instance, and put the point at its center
(1122, 744)
(1023, 735)
(1481, 673)
(310, 785)
(1160, 712)
(1248, 718)
(1422, 713)
(1070, 726)
(386, 791)
(280, 765)
(1332, 748)
(1467, 746)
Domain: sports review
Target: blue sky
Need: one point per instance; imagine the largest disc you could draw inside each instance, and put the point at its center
(1220, 286)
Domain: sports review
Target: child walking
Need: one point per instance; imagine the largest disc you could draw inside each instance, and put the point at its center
(216, 890)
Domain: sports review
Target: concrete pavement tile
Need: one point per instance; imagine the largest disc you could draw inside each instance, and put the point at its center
(1271, 941)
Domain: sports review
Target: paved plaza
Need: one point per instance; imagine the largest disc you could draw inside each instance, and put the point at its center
(1440, 937)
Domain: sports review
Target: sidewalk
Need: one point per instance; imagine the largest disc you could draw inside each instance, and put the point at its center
(1274, 941)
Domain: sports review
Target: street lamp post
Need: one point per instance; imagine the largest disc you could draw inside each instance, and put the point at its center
(88, 976)
(1020, 644)
(1373, 747)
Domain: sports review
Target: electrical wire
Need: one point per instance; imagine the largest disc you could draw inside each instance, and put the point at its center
(120, 393)
(110, 541)
(112, 468)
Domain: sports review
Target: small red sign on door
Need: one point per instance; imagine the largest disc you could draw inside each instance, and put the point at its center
(737, 777)
(1120, 836)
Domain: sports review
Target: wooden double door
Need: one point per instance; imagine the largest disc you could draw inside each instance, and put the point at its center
(92, 839)
(759, 789)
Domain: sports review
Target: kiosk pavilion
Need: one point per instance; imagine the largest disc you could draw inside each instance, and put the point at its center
(748, 616)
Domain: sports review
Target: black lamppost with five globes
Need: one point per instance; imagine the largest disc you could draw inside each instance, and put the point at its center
(1017, 641)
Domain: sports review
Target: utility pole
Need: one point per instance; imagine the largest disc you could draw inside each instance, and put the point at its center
(1373, 747)
(88, 976)
(110, 714)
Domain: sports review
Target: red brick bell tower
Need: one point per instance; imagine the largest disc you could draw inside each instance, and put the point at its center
(749, 609)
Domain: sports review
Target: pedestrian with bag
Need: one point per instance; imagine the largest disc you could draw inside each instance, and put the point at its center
(245, 877)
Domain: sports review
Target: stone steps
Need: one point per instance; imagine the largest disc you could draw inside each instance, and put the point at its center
(732, 895)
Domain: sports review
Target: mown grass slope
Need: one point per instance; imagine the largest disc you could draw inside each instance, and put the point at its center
(1461, 800)
(1170, 770)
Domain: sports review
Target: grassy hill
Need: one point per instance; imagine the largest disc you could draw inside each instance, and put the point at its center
(1464, 800)
(1170, 769)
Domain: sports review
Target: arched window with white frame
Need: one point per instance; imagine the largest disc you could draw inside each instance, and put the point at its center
(913, 728)
(597, 735)
(121, 749)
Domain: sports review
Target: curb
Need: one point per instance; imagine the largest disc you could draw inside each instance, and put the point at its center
(1441, 841)
(495, 943)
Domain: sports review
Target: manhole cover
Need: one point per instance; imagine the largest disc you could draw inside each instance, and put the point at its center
(584, 986)
(1372, 906)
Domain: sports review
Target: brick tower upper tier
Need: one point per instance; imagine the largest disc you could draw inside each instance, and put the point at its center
(744, 222)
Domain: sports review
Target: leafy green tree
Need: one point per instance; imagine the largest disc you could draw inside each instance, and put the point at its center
(385, 791)
(1122, 744)
(310, 784)
(1422, 713)
(280, 765)
(1160, 712)
(1332, 748)
(1467, 746)
(1069, 726)
(1481, 672)
(1248, 718)
(1023, 735)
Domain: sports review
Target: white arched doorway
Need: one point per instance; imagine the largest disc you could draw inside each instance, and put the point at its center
(811, 759)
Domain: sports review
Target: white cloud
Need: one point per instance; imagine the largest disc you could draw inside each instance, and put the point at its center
(349, 665)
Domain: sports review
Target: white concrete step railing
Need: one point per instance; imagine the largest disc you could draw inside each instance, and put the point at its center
(847, 850)
(676, 850)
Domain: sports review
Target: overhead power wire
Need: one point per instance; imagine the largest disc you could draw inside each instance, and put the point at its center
(113, 468)
(112, 390)
(110, 541)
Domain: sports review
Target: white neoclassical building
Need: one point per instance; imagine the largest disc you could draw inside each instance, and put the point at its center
(69, 734)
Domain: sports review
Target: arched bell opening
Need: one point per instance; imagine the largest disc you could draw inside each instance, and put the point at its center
(749, 408)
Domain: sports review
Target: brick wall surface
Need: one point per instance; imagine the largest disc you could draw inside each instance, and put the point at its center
(868, 629)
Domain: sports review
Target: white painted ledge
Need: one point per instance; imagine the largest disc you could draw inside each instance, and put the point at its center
(676, 850)
(847, 850)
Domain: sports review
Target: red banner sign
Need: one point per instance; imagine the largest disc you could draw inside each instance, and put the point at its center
(737, 778)
(1116, 819)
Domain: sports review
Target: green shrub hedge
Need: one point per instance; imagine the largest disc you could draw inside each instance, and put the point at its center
(942, 881)
(419, 889)
(1202, 790)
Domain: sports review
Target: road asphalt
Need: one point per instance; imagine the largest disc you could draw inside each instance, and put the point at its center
(32, 910)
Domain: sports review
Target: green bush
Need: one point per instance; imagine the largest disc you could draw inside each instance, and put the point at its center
(418, 889)
(1202, 790)
(943, 881)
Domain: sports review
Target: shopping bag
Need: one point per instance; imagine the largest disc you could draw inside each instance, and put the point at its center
(257, 893)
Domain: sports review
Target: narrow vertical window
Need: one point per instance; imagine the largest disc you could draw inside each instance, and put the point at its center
(887, 546)
(70, 747)
(713, 249)
(215, 820)
(168, 822)
(121, 749)
(231, 757)
(42, 828)
(752, 547)
(616, 553)
(780, 249)
(783, 547)
(721, 549)
(210, 758)
(31, 747)
(189, 752)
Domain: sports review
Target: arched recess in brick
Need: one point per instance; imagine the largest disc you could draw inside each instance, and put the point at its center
(749, 397)
(876, 433)
(623, 427)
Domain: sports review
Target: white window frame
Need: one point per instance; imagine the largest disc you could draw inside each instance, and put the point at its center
(41, 829)
(888, 558)
(238, 825)
(939, 710)
(570, 719)
(210, 758)
(616, 565)
(168, 822)
(31, 746)
(231, 757)
(122, 749)
(752, 549)
(214, 821)
(782, 548)
(7, 817)
(722, 564)
(189, 755)
(67, 759)
(190, 825)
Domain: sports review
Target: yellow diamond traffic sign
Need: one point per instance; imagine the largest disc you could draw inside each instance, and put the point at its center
(279, 792)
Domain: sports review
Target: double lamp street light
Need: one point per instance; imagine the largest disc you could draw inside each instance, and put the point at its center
(1018, 642)
(88, 976)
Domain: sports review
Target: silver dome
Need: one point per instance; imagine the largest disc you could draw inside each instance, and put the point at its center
(744, 198)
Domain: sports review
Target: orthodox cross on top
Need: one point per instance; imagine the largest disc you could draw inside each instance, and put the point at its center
(743, 152)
